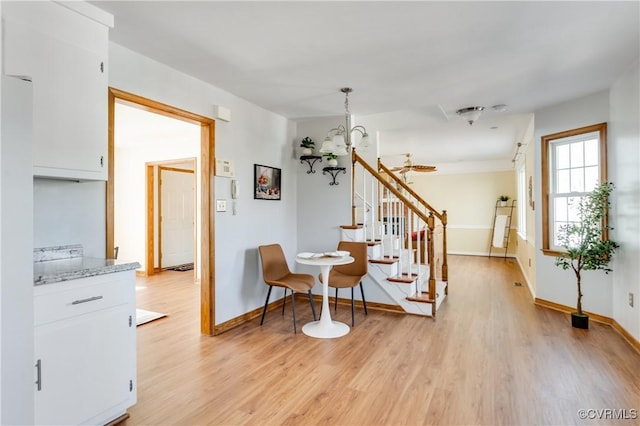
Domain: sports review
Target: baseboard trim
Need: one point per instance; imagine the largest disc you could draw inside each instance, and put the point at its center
(245, 318)
(595, 317)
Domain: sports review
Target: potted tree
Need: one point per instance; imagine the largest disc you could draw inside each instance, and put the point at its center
(307, 145)
(332, 159)
(587, 243)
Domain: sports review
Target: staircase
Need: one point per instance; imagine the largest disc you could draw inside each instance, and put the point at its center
(406, 238)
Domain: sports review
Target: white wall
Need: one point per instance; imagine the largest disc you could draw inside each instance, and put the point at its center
(254, 135)
(553, 283)
(526, 254)
(68, 212)
(624, 156)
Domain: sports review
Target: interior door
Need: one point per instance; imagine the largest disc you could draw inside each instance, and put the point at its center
(177, 216)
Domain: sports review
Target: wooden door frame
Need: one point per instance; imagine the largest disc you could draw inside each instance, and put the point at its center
(207, 164)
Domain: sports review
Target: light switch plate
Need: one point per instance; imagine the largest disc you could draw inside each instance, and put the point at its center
(221, 205)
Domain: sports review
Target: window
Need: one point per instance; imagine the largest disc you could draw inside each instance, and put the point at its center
(522, 206)
(573, 162)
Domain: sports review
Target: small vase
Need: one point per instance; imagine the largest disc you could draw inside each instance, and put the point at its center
(332, 162)
(307, 151)
(503, 203)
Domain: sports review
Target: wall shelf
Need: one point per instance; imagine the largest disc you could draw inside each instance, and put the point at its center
(310, 160)
(334, 171)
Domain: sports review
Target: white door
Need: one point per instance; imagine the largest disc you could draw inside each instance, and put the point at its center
(177, 216)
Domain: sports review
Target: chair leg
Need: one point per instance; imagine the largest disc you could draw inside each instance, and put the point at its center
(313, 306)
(353, 310)
(293, 307)
(284, 301)
(266, 302)
(335, 302)
(364, 302)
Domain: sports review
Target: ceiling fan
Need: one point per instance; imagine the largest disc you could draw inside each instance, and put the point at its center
(408, 166)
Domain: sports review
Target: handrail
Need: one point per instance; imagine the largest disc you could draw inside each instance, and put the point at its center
(407, 188)
(429, 220)
(356, 158)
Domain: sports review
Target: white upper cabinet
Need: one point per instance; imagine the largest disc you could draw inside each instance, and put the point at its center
(64, 52)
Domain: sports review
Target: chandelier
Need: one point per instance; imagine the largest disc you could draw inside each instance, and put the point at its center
(342, 133)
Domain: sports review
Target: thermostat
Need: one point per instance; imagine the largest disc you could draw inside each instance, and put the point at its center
(225, 168)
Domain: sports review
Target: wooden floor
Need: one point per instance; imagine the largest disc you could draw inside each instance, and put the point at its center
(492, 357)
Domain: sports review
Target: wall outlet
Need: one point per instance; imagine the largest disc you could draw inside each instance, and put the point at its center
(631, 299)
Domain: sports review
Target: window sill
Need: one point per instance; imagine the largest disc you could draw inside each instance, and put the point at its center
(554, 253)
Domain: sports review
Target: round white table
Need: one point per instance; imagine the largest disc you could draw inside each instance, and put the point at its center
(325, 328)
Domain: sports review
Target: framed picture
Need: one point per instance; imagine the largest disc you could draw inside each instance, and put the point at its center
(266, 182)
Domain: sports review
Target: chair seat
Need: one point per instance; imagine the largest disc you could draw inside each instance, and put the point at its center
(295, 282)
(340, 280)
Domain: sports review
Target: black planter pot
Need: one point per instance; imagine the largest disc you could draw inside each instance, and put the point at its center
(580, 320)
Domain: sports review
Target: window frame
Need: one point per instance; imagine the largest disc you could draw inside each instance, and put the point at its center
(548, 168)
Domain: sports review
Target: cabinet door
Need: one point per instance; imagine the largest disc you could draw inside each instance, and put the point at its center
(70, 112)
(85, 366)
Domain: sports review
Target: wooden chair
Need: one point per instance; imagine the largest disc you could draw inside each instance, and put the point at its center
(350, 275)
(276, 273)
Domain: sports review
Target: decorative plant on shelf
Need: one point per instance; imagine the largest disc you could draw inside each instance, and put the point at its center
(587, 243)
(332, 159)
(307, 145)
(503, 200)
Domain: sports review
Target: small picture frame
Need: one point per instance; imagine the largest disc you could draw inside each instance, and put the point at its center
(266, 182)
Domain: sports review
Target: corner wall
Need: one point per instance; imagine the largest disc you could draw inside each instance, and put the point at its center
(624, 157)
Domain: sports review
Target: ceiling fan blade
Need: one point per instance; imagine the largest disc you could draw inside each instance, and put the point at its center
(424, 168)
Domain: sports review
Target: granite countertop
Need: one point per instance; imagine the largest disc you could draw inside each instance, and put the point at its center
(63, 263)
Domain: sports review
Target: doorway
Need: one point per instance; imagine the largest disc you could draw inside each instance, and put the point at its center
(207, 149)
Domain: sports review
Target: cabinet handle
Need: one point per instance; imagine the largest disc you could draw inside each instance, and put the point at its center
(39, 375)
(88, 299)
(102, 161)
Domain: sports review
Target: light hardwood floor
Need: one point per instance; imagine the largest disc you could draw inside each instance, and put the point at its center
(492, 357)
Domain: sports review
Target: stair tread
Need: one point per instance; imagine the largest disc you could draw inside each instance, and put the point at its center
(383, 261)
(423, 298)
(401, 280)
(351, 226)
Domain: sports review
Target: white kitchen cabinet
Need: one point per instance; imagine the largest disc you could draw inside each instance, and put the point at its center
(85, 349)
(64, 52)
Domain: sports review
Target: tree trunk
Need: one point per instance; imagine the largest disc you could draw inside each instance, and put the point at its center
(579, 304)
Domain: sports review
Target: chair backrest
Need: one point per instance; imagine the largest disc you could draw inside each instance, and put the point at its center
(274, 264)
(358, 251)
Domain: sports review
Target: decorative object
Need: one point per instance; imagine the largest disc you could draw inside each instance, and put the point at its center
(345, 142)
(310, 160)
(332, 159)
(503, 200)
(587, 243)
(531, 201)
(307, 145)
(266, 182)
(334, 171)
(470, 114)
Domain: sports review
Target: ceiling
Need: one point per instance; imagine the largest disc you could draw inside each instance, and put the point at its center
(411, 64)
